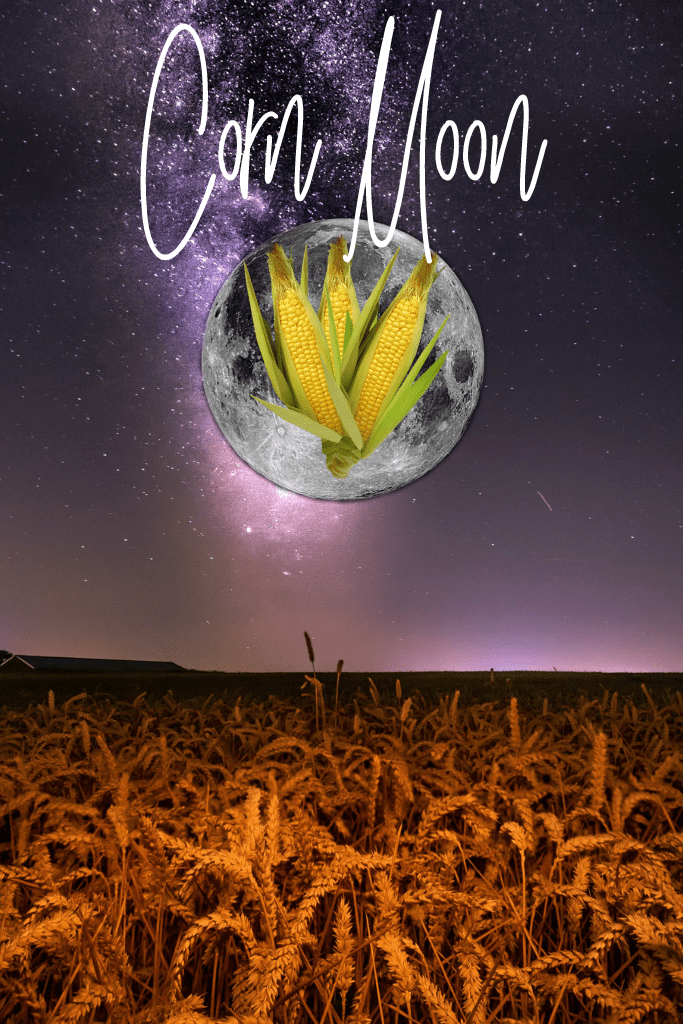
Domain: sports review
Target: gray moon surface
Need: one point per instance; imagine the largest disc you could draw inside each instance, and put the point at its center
(292, 458)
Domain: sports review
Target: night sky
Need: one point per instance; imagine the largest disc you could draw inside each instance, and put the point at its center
(551, 536)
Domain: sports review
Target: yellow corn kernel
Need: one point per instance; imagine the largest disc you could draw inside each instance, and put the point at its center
(342, 294)
(394, 340)
(399, 331)
(298, 334)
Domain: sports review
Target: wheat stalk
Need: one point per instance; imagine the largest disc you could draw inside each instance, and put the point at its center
(598, 771)
(340, 666)
(515, 732)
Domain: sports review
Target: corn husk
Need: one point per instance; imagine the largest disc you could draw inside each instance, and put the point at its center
(345, 360)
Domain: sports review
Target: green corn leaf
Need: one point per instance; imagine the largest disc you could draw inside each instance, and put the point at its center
(299, 399)
(334, 340)
(296, 387)
(361, 370)
(265, 344)
(401, 405)
(418, 278)
(366, 341)
(420, 361)
(364, 322)
(406, 389)
(427, 273)
(299, 419)
(348, 329)
(403, 371)
(304, 272)
(341, 404)
(275, 349)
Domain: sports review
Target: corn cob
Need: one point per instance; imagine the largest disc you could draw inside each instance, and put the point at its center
(299, 333)
(342, 295)
(392, 348)
(356, 365)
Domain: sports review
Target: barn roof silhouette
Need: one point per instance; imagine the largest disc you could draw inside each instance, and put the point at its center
(14, 663)
(26, 662)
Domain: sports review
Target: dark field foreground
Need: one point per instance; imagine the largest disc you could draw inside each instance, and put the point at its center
(531, 688)
(445, 849)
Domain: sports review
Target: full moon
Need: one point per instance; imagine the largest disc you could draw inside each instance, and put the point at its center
(290, 457)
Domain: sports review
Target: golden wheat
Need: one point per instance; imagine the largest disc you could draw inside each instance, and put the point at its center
(178, 864)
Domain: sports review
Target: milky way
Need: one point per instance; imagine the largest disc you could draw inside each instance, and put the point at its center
(130, 528)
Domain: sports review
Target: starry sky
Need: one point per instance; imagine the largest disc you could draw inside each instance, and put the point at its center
(551, 536)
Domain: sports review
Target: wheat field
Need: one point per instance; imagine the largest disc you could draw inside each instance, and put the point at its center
(164, 861)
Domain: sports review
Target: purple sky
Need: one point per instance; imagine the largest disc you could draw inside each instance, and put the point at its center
(129, 528)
